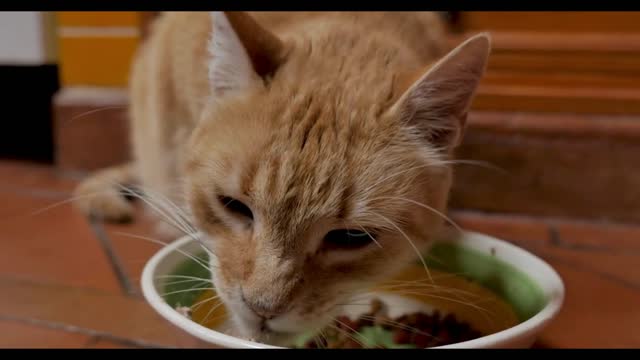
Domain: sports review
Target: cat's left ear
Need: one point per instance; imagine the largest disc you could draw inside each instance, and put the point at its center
(436, 105)
(243, 53)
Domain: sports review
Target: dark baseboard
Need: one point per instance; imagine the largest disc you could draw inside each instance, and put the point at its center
(90, 128)
(26, 102)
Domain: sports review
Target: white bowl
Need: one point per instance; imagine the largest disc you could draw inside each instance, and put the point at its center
(548, 283)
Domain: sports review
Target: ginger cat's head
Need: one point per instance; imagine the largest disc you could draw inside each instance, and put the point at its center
(320, 166)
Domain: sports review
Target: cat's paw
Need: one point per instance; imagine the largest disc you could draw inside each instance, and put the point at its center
(102, 200)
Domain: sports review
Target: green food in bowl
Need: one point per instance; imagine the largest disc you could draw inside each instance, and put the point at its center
(184, 278)
(512, 285)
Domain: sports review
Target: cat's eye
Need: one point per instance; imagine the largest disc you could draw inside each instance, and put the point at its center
(348, 239)
(235, 206)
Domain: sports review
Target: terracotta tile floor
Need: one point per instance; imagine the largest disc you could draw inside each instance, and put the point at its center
(60, 288)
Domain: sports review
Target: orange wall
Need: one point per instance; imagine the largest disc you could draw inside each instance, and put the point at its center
(95, 48)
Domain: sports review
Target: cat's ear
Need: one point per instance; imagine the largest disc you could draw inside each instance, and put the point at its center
(242, 52)
(436, 105)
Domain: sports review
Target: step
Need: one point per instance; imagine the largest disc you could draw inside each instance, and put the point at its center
(534, 163)
(584, 166)
(90, 128)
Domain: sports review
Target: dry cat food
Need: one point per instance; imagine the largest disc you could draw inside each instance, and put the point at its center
(376, 330)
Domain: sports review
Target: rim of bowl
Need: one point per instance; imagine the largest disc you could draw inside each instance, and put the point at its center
(537, 270)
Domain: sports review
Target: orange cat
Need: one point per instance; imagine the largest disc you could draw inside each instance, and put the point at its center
(311, 150)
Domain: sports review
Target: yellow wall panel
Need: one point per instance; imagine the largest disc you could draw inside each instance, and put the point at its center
(96, 61)
(98, 18)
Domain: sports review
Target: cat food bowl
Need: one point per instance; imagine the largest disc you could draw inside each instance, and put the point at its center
(506, 294)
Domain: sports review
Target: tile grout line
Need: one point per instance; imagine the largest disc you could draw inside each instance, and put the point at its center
(556, 240)
(94, 335)
(114, 260)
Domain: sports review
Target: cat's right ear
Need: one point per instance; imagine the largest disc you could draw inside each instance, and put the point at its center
(243, 53)
(436, 105)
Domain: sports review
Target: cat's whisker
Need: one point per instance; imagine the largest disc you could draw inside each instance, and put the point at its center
(66, 201)
(482, 311)
(392, 281)
(416, 284)
(389, 177)
(318, 331)
(167, 215)
(428, 292)
(221, 316)
(488, 315)
(226, 329)
(97, 193)
(186, 290)
(418, 252)
(181, 277)
(211, 311)
(458, 298)
(346, 333)
(127, 191)
(483, 164)
(200, 303)
(368, 234)
(90, 112)
(324, 337)
(435, 290)
(466, 303)
(399, 325)
(160, 209)
(180, 213)
(443, 216)
(448, 275)
(197, 260)
(204, 282)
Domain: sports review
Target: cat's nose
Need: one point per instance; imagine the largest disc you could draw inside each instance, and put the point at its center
(261, 308)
